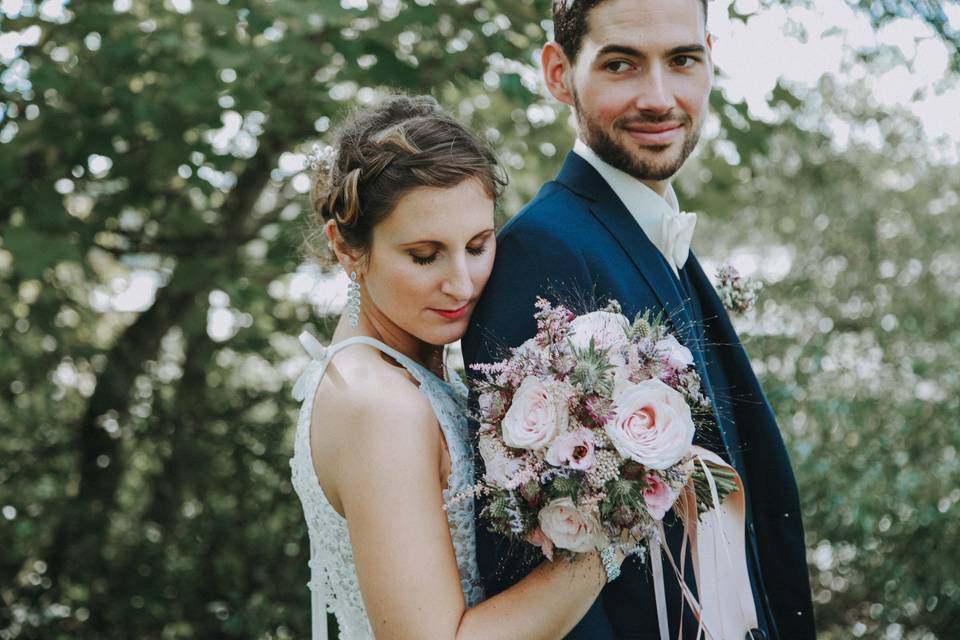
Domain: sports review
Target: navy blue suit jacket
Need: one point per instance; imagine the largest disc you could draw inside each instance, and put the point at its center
(576, 243)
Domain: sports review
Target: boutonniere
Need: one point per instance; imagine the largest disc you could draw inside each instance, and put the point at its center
(738, 294)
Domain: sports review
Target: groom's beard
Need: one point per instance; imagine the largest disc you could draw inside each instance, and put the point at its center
(618, 155)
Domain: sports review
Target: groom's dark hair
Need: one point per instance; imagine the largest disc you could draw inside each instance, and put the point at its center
(570, 23)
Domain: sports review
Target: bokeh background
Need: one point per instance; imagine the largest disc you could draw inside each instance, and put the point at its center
(152, 199)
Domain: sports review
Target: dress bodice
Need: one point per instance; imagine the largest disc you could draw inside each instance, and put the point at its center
(333, 578)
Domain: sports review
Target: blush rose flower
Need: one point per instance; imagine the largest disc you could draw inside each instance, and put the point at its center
(658, 496)
(539, 539)
(607, 330)
(676, 355)
(574, 450)
(653, 424)
(571, 528)
(536, 416)
(499, 467)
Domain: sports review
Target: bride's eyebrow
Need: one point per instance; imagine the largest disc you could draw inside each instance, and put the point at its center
(419, 243)
(485, 232)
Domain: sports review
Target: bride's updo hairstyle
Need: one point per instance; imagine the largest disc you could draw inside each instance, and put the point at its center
(382, 153)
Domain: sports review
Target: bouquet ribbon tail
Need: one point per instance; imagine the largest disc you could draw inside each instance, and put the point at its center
(718, 550)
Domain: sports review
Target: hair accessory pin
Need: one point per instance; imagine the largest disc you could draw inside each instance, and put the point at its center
(321, 157)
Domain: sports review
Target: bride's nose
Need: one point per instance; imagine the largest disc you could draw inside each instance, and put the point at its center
(457, 282)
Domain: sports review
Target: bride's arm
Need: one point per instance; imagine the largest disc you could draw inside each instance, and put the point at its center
(388, 481)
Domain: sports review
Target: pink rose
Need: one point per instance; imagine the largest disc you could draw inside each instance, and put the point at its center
(658, 496)
(537, 414)
(499, 466)
(608, 330)
(571, 528)
(676, 355)
(538, 538)
(574, 450)
(653, 424)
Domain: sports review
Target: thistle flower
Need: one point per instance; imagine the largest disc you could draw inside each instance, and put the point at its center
(738, 294)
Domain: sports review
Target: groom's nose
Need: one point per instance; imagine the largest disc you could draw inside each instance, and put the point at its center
(653, 91)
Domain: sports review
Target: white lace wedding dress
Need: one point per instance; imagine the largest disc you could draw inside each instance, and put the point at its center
(333, 577)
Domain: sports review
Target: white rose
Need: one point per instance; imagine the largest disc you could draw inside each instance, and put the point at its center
(571, 528)
(653, 424)
(535, 417)
(490, 405)
(676, 355)
(498, 466)
(607, 330)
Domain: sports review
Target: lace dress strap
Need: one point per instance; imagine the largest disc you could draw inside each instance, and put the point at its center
(407, 362)
(322, 356)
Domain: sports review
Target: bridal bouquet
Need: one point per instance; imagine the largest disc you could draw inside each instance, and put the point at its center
(587, 433)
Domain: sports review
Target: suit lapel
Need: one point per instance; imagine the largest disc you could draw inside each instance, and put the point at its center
(581, 178)
(690, 271)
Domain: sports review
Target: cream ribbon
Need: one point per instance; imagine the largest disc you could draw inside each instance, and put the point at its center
(718, 549)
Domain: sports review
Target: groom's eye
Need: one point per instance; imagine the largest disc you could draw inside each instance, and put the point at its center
(685, 61)
(617, 66)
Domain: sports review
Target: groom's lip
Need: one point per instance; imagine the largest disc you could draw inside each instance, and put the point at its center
(660, 133)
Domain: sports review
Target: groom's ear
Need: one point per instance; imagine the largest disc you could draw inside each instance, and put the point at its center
(557, 72)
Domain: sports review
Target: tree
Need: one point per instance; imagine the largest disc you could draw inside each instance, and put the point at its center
(144, 477)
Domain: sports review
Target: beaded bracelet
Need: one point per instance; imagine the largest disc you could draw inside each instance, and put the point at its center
(610, 564)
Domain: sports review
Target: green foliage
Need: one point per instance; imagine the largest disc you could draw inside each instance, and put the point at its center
(724, 482)
(856, 343)
(144, 485)
(623, 494)
(565, 487)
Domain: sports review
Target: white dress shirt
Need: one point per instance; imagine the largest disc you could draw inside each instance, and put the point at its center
(659, 217)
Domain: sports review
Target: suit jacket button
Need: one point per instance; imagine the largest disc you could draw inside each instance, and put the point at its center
(756, 634)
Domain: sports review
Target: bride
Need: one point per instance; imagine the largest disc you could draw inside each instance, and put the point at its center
(382, 454)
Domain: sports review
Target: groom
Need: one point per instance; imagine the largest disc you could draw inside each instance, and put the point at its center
(638, 75)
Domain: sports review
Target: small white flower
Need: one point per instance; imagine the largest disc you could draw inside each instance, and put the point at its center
(499, 466)
(676, 355)
(608, 330)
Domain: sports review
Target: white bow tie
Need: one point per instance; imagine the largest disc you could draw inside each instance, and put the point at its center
(676, 233)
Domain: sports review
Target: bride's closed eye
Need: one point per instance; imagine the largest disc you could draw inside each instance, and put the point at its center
(430, 259)
(477, 251)
(424, 260)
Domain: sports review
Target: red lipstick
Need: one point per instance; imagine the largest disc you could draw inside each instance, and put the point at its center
(454, 314)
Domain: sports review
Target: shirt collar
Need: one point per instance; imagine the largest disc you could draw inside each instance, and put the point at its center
(645, 205)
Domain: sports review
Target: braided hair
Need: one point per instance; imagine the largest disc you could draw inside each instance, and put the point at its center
(382, 153)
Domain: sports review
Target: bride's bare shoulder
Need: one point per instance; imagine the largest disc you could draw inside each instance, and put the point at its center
(366, 392)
